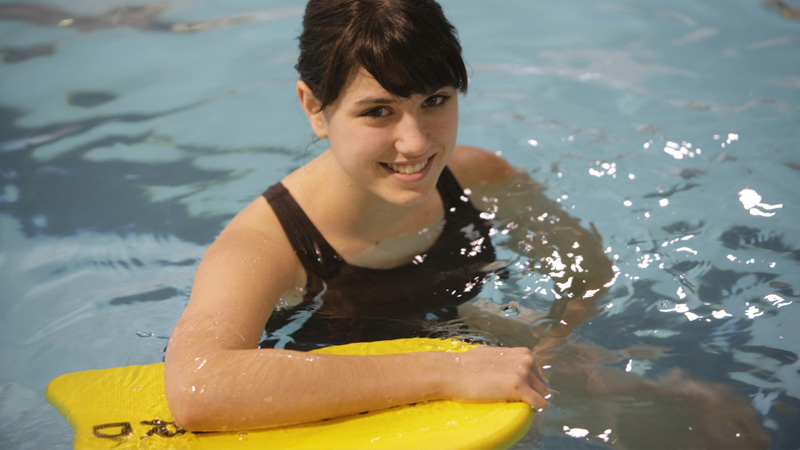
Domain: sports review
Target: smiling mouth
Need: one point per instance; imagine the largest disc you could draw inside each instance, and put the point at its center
(408, 169)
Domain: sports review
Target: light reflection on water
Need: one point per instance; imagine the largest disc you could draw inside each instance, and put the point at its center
(672, 128)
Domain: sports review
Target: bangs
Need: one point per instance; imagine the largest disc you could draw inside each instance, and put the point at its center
(402, 45)
(405, 63)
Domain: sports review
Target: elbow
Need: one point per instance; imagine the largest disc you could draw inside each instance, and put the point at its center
(186, 416)
(187, 404)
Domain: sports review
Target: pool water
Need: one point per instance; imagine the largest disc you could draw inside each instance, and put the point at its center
(131, 132)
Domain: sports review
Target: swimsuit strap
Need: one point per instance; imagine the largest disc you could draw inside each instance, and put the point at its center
(451, 192)
(315, 253)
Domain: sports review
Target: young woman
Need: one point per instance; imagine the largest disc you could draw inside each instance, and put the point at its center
(376, 238)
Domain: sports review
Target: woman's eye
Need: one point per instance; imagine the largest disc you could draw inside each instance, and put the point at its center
(435, 100)
(380, 111)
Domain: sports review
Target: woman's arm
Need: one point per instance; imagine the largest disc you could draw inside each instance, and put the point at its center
(216, 378)
(559, 247)
(556, 243)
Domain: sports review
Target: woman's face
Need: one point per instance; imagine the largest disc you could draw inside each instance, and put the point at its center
(394, 147)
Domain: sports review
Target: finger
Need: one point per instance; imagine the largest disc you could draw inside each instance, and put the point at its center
(534, 399)
(537, 391)
(538, 381)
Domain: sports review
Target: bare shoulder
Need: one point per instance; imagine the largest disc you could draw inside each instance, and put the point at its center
(240, 280)
(257, 217)
(256, 233)
(475, 167)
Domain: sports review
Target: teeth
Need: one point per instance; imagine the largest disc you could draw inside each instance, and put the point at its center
(407, 168)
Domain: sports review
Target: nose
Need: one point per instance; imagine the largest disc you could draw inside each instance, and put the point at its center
(412, 138)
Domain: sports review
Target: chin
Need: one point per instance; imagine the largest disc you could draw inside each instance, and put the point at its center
(408, 197)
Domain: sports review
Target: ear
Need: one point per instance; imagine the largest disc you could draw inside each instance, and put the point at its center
(311, 106)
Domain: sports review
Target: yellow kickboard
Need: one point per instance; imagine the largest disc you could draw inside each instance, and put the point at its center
(125, 408)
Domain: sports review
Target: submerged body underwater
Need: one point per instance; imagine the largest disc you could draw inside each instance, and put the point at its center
(131, 134)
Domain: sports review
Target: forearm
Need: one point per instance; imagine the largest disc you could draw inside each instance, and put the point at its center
(244, 389)
(580, 270)
(556, 245)
(539, 228)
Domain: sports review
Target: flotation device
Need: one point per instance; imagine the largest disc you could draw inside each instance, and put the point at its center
(125, 408)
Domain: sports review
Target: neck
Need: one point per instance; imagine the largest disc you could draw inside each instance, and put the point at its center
(346, 211)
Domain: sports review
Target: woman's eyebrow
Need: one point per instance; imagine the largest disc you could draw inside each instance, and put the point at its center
(377, 100)
(369, 101)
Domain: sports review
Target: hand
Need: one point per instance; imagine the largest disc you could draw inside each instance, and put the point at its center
(498, 374)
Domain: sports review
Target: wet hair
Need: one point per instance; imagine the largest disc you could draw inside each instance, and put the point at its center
(408, 46)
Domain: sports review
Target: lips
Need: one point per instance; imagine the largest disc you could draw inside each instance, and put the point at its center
(408, 169)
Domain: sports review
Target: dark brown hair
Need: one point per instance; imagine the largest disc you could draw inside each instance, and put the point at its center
(407, 45)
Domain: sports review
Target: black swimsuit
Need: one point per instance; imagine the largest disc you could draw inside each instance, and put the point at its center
(343, 303)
